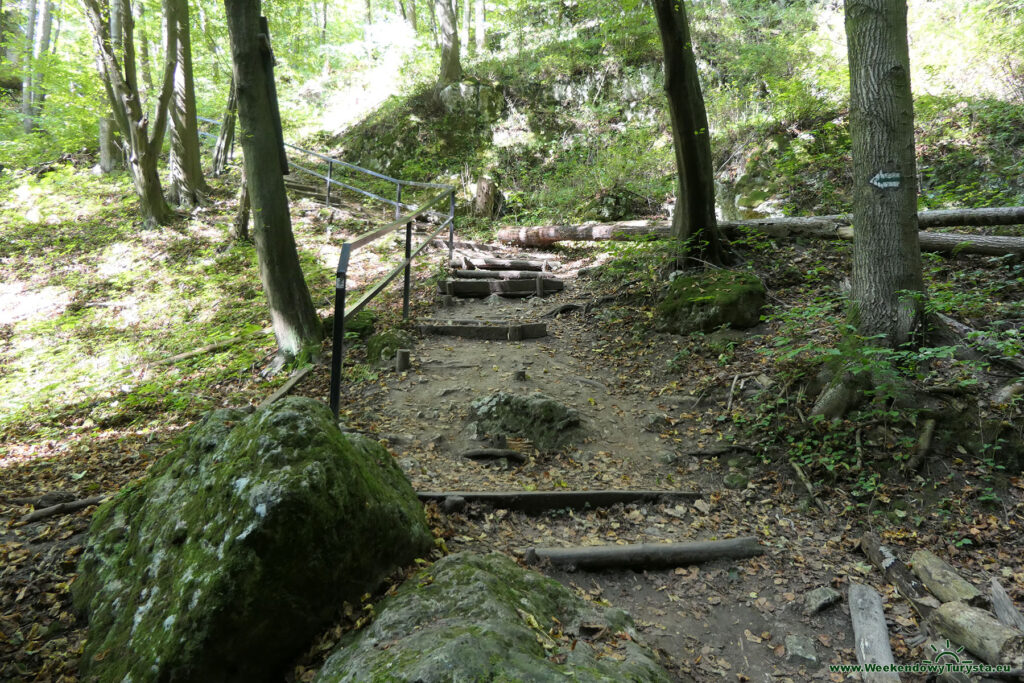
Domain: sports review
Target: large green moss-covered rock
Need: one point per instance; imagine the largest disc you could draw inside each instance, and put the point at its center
(483, 618)
(710, 300)
(237, 548)
(543, 420)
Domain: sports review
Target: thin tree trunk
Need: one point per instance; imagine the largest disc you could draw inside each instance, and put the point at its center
(295, 321)
(42, 49)
(399, 9)
(145, 63)
(412, 15)
(323, 23)
(451, 67)
(27, 68)
(110, 152)
(240, 226)
(432, 4)
(226, 138)
(467, 21)
(481, 17)
(693, 224)
(887, 283)
(122, 91)
(369, 12)
(188, 187)
(56, 31)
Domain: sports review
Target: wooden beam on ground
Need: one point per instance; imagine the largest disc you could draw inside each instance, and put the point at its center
(980, 632)
(503, 264)
(943, 581)
(541, 501)
(898, 574)
(484, 329)
(512, 288)
(498, 274)
(870, 634)
(645, 555)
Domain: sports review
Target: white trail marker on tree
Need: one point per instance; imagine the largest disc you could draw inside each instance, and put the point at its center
(886, 181)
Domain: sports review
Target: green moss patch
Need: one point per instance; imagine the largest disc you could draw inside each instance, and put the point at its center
(705, 302)
(543, 420)
(237, 548)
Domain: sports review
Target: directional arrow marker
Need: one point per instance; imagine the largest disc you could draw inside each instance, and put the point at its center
(886, 181)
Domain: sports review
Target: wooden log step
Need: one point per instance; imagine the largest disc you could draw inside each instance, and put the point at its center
(870, 634)
(512, 288)
(484, 329)
(500, 274)
(541, 501)
(645, 555)
(979, 632)
(487, 263)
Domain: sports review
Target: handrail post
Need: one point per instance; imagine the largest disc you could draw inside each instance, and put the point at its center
(451, 225)
(408, 269)
(338, 340)
(330, 168)
(398, 200)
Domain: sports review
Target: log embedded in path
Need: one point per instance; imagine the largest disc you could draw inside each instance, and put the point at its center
(497, 274)
(942, 580)
(870, 635)
(979, 632)
(646, 555)
(512, 288)
(484, 329)
(503, 264)
(494, 454)
(897, 574)
(540, 501)
(823, 227)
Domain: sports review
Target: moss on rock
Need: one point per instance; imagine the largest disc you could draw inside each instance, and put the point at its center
(710, 300)
(543, 420)
(483, 618)
(239, 546)
(381, 347)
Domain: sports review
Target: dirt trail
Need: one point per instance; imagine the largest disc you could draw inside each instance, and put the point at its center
(724, 620)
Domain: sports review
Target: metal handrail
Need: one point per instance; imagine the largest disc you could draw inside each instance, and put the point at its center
(341, 273)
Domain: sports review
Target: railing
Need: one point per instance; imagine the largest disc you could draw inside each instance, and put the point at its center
(341, 314)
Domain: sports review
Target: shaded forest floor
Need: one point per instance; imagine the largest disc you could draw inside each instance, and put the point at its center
(661, 411)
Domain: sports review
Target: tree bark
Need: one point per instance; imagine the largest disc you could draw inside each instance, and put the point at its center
(111, 153)
(888, 287)
(467, 22)
(411, 15)
(451, 67)
(240, 226)
(226, 137)
(693, 223)
(40, 50)
(122, 91)
(295, 321)
(188, 187)
(27, 123)
(145, 63)
(870, 635)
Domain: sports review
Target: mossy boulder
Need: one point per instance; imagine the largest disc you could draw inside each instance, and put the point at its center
(471, 99)
(705, 302)
(543, 420)
(477, 617)
(381, 347)
(237, 548)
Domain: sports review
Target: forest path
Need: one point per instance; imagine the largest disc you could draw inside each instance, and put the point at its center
(725, 620)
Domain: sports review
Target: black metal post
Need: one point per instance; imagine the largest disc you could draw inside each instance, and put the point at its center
(330, 167)
(451, 226)
(338, 341)
(408, 269)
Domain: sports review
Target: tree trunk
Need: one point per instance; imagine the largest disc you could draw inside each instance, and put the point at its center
(27, 122)
(451, 67)
(481, 18)
(295, 321)
(887, 282)
(145, 63)
(188, 187)
(240, 226)
(693, 222)
(369, 13)
(411, 16)
(39, 52)
(467, 21)
(111, 154)
(432, 4)
(143, 148)
(226, 137)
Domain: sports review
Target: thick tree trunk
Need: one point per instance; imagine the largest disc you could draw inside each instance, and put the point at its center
(188, 187)
(451, 67)
(693, 222)
(122, 91)
(295, 321)
(481, 20)
(887, 280)
(27, 122)
(226, 137)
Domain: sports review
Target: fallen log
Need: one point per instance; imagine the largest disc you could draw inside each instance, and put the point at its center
(979, 632)
(897, 573)
(1003, 607)
(497, 274)
(216, 346)
(61, 509)
(494, 454)
(942, 580)
(645, 555)
(503, 264)
(870, 635)
(822, 227)
(540, 501)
